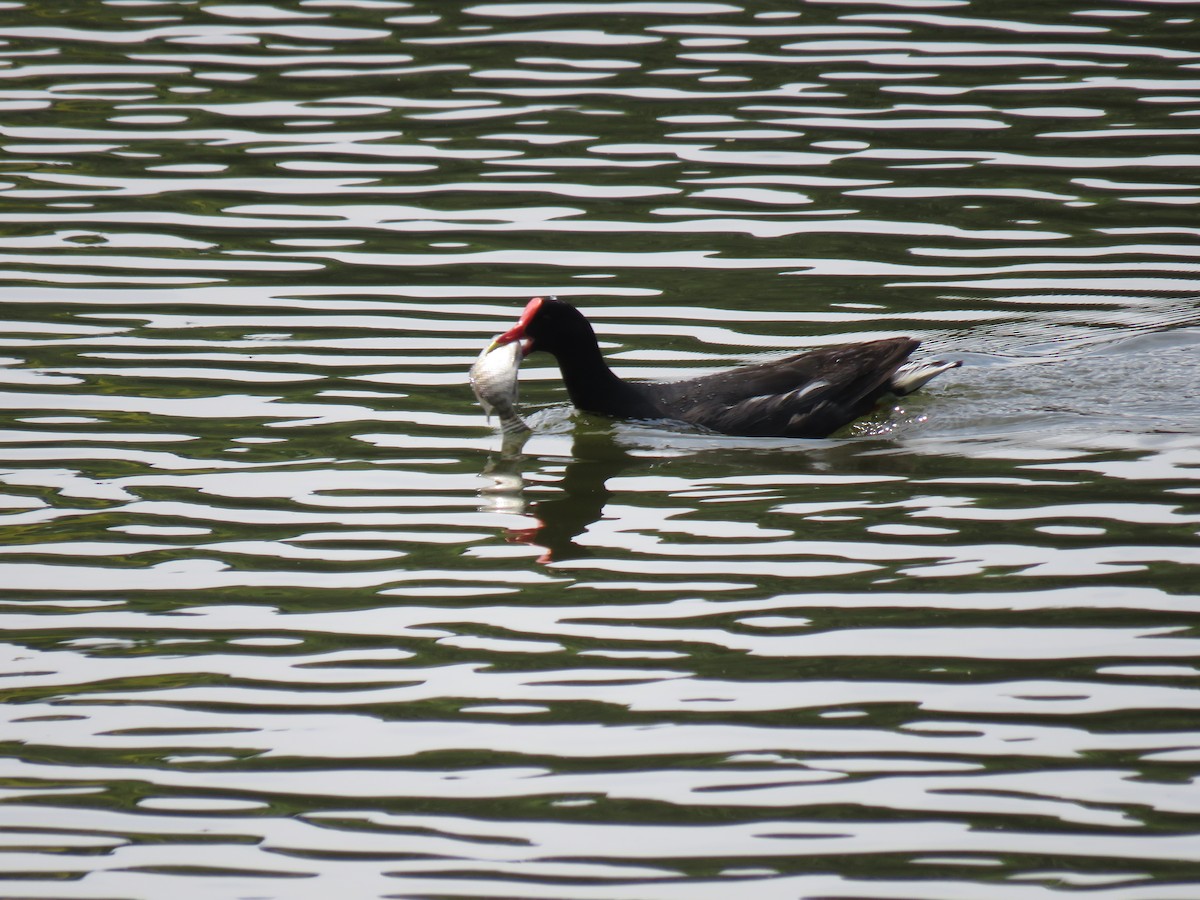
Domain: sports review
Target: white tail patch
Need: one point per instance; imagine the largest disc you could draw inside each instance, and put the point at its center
(913, 375)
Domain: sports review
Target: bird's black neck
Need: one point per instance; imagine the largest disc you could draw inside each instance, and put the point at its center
(594, 387)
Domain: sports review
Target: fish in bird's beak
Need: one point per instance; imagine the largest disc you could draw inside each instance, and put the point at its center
(494, 380)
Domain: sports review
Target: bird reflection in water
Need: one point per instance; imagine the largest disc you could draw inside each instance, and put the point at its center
(562, 513)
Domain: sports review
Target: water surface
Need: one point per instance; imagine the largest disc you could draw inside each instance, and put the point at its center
(284, 619)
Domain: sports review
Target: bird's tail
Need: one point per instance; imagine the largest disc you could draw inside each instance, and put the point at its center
(916, 373)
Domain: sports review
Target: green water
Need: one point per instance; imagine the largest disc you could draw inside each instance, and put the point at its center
(284, 619)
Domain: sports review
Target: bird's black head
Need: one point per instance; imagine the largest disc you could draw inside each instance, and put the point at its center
(551, 325)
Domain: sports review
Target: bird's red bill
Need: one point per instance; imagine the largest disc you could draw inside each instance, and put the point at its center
(518, 331)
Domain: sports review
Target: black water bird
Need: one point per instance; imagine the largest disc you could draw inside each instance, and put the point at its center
(809, 395)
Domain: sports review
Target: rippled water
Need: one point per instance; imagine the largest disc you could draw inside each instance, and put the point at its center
(283, 618)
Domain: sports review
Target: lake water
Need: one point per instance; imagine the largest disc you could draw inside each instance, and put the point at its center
(283, 619)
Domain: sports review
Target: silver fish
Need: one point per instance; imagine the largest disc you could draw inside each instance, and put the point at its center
(494, 381)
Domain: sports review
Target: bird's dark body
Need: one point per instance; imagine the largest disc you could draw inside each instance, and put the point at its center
(808, 395)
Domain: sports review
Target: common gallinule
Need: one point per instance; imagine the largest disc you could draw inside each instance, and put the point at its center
(809, 395)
